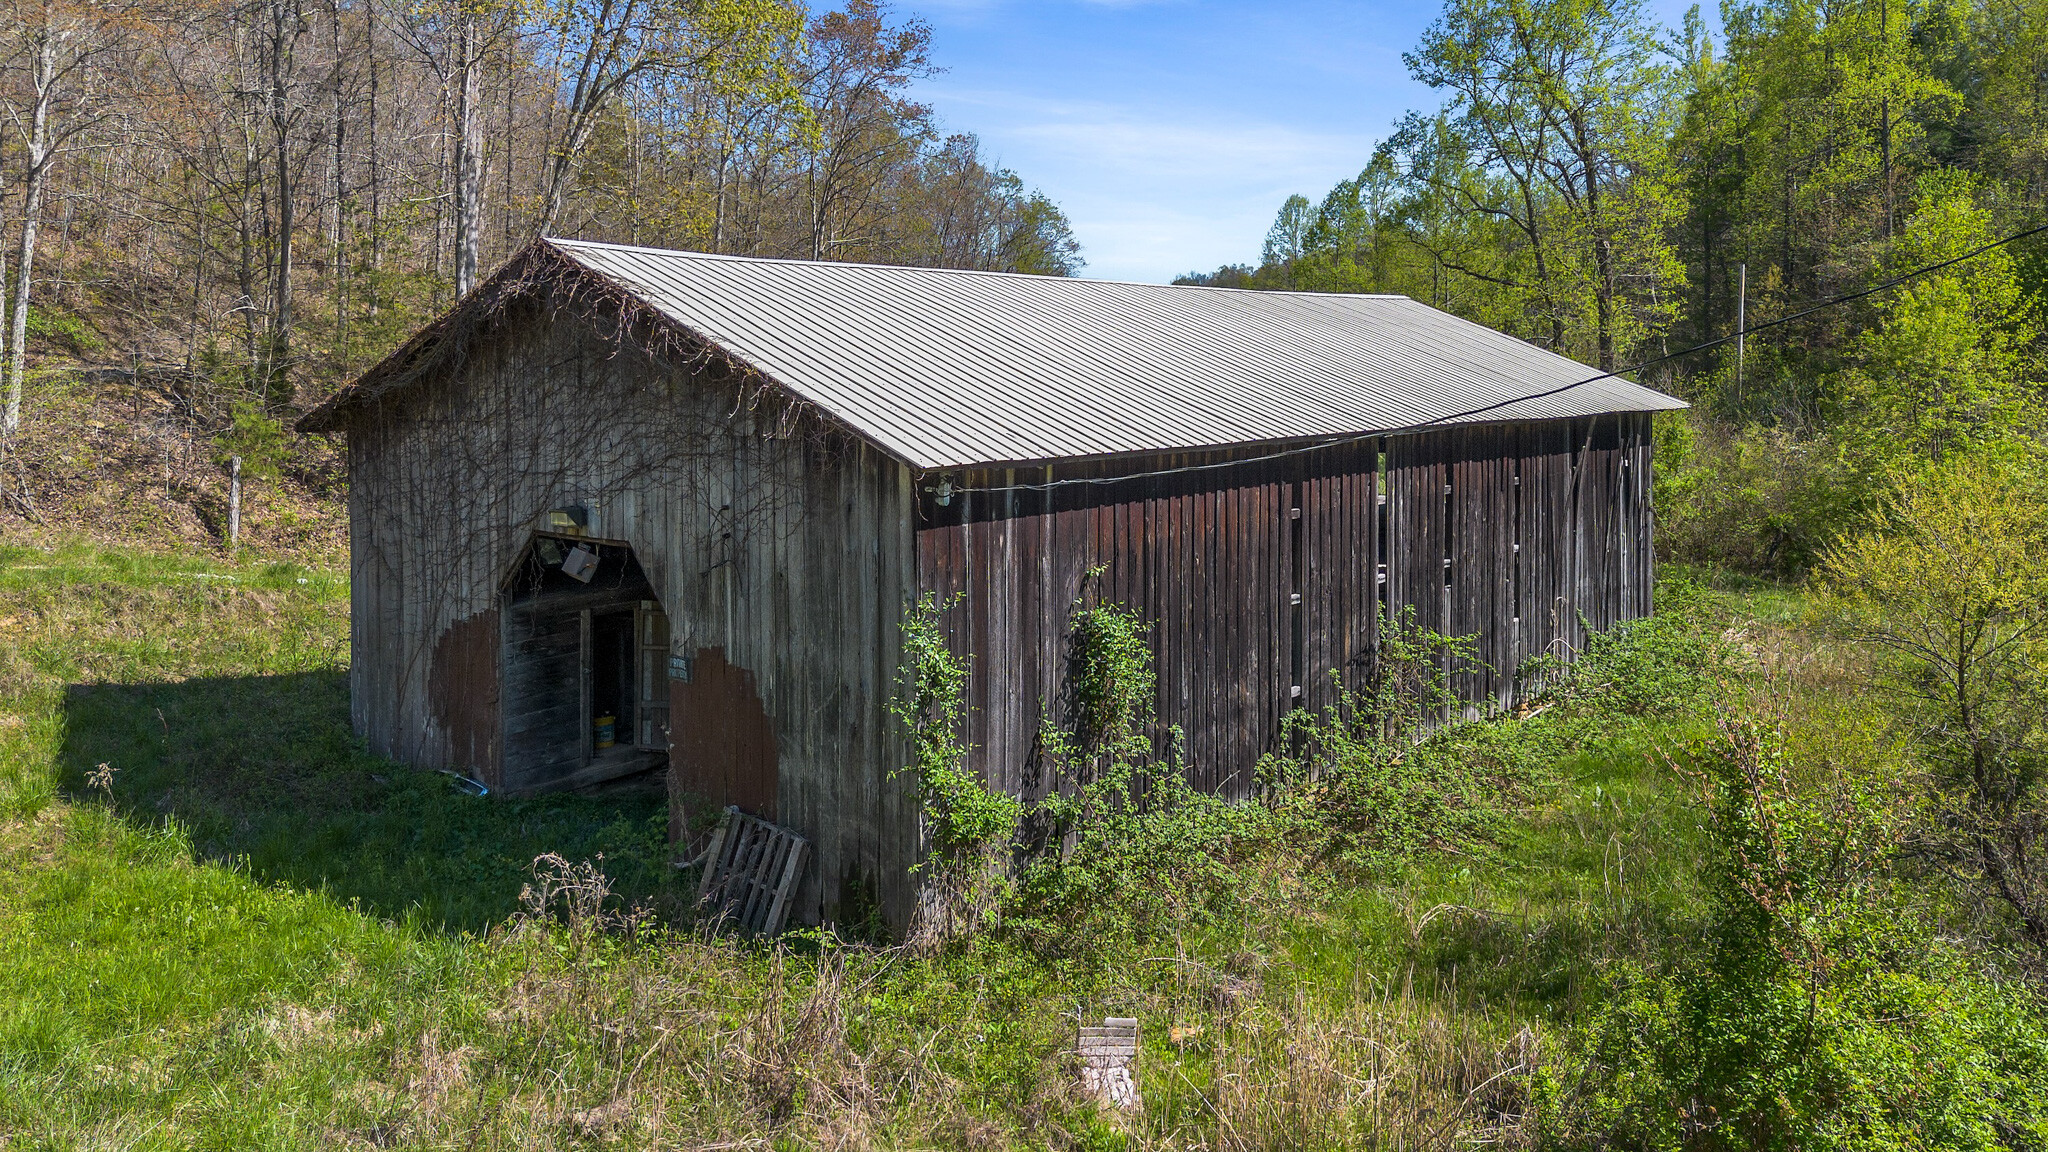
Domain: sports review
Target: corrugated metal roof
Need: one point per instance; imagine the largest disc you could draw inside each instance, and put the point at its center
(947, 368)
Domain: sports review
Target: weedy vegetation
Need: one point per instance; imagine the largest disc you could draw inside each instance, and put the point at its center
(1703, 890)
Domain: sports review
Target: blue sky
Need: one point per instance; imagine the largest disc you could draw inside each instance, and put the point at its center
(1171, 130)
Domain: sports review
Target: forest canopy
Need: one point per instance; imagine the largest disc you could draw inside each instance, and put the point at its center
(251, 200)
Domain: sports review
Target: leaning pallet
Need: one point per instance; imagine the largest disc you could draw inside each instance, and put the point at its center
(751, 871)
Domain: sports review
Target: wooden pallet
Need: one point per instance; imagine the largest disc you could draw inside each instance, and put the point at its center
(751, 871)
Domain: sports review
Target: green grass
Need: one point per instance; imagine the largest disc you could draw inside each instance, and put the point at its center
(218, 696)
(1602, 867)
(263, 936)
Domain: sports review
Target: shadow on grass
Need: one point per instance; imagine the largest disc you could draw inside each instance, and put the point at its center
(263, 773)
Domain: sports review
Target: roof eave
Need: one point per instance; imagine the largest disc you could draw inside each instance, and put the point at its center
(1281, 445)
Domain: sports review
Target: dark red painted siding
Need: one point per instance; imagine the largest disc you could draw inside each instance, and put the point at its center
(1214, 558)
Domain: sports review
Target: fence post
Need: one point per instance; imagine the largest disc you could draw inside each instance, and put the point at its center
(234, 501)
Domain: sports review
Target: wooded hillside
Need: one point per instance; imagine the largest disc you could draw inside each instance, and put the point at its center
(228, 208)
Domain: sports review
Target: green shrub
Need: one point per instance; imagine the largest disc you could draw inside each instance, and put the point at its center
(1657, 667)
(1382, 773)
(1820, 1010)
(1123, 848)
(1390, 781)
(962, 816)
(1757, 499)
(1946, 588)
(64, 329)
(967, 827)
(257, 437)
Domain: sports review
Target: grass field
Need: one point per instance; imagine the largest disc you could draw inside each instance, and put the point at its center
(225, 925)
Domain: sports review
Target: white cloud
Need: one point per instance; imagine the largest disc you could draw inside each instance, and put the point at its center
(1153, 144)
(1156, 192)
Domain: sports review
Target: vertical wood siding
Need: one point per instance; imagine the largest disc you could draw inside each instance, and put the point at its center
(1205, 557)
(1546, 530)
(1519, 535)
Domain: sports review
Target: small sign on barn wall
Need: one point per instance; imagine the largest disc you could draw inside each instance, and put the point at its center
(682, 668)
(580, 564)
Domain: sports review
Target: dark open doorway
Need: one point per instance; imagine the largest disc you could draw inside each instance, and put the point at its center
(586, 657)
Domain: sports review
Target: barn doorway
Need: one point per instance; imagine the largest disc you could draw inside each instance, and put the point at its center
(585, 675)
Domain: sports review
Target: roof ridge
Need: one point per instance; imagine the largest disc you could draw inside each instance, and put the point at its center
(918, 268)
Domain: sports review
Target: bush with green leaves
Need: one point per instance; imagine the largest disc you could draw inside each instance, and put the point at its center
(1757, 498)
(1820, 1009)
(1655, 667)
(257, 437)
(1382, 776)
(1124, 848)
(1388, 780)
(967, 826)
(1946, 585)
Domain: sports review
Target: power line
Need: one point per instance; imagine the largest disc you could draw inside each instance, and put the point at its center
(1437, 421)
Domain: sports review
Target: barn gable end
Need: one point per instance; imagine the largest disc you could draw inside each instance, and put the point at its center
(776, 548)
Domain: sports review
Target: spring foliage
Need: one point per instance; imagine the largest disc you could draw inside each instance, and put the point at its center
(1949, 584)
(1821, 1009)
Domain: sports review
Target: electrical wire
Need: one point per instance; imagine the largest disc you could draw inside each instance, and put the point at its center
(1449, 417)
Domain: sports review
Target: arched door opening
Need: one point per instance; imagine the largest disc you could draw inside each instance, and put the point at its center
(586, 651)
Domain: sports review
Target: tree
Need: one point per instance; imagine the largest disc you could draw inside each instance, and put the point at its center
(257, 196)
(1562, 105)
(954, 211)
(1942, 370)
(458, 39)
(592, 49)
(1800, 146)
(1287, 239)
(858, 67)
(284, 25)
(1949, 583)
(58, 46)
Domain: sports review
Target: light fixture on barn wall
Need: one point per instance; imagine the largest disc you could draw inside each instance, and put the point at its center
(573, 520)
(942, 492)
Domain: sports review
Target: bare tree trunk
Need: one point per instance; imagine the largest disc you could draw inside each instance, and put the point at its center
(198, 287)
(339, 191)
(718, 181)
(444, 168)
(376, 179)
(469, 150)
(245, 272)
(602, 67)
(284, 32)
(35, 176)
(10, 422)
(511, 198)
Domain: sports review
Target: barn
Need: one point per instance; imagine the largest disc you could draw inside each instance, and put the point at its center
(625, 509)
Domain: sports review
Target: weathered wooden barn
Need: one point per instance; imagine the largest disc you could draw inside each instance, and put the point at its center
(696, 495)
